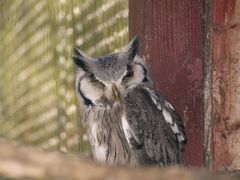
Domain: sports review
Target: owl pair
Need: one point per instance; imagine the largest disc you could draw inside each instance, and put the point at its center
(127, 120)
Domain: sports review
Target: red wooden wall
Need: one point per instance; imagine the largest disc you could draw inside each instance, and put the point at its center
(226, 84)
(193, 49)
(170, 32)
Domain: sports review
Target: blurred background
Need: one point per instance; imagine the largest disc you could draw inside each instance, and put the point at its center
(192, 48)
(38, 105)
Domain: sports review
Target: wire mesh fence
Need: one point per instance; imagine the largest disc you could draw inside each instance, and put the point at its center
(38, 105)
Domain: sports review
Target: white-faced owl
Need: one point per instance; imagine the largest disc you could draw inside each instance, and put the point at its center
(127, 120)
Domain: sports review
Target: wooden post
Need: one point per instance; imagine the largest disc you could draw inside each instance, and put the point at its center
(170, 33)
(193, 49)
(225, 86)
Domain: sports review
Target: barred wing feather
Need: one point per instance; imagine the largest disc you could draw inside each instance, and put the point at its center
(158, 134)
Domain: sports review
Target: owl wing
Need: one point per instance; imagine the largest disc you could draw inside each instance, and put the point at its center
(153, 127)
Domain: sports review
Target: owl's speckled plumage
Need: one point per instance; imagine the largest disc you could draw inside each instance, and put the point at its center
(127, 120)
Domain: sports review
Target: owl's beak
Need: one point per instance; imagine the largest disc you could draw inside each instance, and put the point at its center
(116, 93)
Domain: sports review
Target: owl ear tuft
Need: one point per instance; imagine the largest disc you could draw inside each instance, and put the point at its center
(80, 59)
(132, 48)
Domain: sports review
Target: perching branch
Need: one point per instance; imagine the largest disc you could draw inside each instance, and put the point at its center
(25, 162)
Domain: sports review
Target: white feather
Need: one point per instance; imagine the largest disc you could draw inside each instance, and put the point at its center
(180, 138)
(159, 106)
(167, 116)
(154, 98)
(126, 128)
(100, 151)
(175, 128)
(169, 105)
(94, 130)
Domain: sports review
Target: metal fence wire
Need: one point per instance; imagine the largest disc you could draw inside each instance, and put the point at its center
(38, 104)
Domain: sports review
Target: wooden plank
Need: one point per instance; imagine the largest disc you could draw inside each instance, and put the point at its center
(207, 79)
(170, 33)
(27, 163)
(226, 84)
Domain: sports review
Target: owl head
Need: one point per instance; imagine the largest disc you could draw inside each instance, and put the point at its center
(104, 80)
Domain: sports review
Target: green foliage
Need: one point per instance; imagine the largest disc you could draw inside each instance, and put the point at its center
(38, 105)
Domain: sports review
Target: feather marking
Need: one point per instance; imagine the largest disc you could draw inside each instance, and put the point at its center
(169, 105)
(181, 138)
(126, 128)
(167, 116)
(175, 129)
(154, 98)
(100, 151)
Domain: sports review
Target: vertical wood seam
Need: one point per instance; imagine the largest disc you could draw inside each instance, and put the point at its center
(207, 80)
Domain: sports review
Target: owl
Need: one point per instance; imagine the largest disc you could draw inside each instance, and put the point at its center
(127, 121)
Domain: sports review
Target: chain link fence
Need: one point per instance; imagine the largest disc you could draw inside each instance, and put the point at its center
(38, 105)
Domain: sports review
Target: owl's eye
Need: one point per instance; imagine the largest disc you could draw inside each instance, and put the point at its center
(94, 80)
(130, 74)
